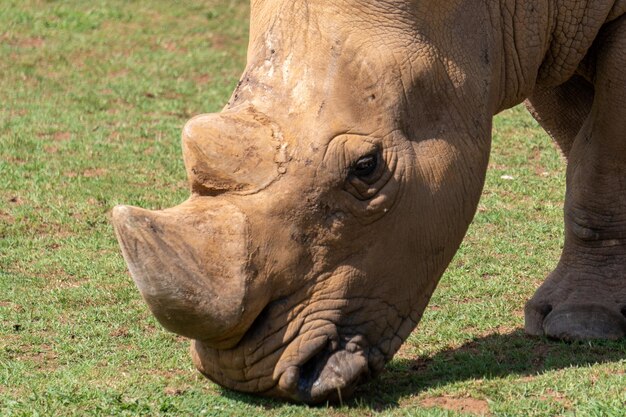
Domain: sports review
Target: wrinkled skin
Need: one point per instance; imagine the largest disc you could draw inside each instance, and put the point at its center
(333, 190)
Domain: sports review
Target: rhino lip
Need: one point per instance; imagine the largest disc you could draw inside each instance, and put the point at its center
(302, 377)
(311, 370)
(325, 373)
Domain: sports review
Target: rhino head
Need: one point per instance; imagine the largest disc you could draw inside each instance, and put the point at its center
(327, 198)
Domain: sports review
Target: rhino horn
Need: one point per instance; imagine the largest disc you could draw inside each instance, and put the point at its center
(190, 263)
(238, 150)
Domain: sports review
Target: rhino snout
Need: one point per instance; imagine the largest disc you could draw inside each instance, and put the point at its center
(190, 264)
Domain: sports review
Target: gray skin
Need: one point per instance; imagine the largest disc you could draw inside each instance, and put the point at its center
(333, 190)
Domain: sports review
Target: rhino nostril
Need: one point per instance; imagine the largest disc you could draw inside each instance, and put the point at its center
(623, 310)
(310, 371)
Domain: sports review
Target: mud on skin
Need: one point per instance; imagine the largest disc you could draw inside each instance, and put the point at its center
(331, 193)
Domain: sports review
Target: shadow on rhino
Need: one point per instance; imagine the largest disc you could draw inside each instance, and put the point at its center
(330, 194)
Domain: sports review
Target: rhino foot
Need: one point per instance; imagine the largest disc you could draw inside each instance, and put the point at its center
(572, 305)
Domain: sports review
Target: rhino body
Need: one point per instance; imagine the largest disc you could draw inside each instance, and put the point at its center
(330, 194)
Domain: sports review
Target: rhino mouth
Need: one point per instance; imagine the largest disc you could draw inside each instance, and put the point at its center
(331, 374)
(309, 361)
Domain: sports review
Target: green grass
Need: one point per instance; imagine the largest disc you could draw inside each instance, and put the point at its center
(93, 97)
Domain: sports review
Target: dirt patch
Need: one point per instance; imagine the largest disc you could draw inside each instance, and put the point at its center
(466, 405)
(171, 373)
(406, 352)
(219, 41)
(114, 136)
(173, 47)
(66, 283)
(203, 79)
(17, 200)
(27, 42)
(53, 246)
(97, 172)
(551, 395)
(19, 112)
(119, 73)
(126, 28)
(519, 313)
(503, 330)
(31, 42)
(535, 157)
(494, 166)
(6, 218)
(120, 332)
(42, 356)
(12, 306)
(470, 300)
(61, 136)
(171, 391)
(15, 161)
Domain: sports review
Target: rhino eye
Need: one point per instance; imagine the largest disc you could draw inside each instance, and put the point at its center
(365, 166)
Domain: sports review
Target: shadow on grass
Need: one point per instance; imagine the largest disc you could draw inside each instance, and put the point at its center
(492, 356)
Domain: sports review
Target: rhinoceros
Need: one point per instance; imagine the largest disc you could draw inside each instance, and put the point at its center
(332, 191)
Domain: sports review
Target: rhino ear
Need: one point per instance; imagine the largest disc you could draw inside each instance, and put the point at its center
(235, 150)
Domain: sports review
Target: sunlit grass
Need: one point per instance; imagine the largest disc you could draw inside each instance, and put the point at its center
(94, 95)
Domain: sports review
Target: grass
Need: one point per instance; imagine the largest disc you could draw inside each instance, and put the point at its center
(94, 95)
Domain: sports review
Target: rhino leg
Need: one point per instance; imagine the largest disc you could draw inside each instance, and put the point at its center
(585, 296)
(561, 110)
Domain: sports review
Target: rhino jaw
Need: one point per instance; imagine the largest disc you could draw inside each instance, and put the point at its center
(190, 264)
(313, 368)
